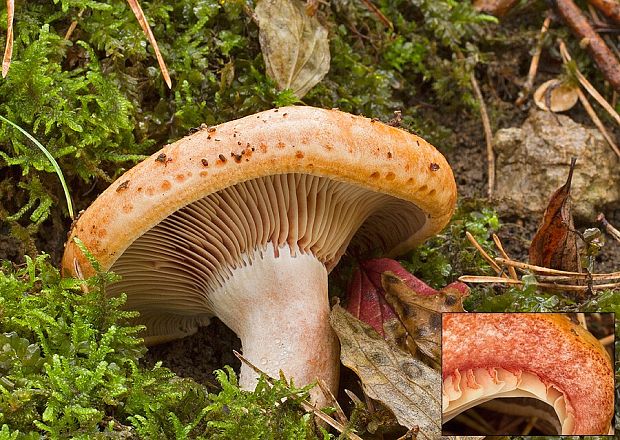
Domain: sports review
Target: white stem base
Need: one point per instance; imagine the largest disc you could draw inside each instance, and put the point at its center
(279, 308)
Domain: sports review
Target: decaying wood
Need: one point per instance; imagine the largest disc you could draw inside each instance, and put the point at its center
(581, 27)
(611, 8)
(8, 50)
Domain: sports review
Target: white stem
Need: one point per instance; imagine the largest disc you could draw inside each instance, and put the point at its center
(279, 308)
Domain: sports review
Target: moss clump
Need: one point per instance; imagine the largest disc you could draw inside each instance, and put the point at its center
(69, 369)
(97, 101)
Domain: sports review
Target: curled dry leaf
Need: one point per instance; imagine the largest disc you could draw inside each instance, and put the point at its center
(420, 315)
(408, 387)
(400, 307)
(556, 95)
(555, 243)
(294, 44)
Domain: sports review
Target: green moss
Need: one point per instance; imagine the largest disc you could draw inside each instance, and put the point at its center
(98, 102)
(69, 368)
(449, 255)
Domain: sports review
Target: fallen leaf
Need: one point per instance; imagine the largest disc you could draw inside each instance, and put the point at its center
(294, 44)
(8, 49)
(365, 299)
(420, 315)
(144, 24)
(408, 387)
(555, 243)
(400, 307)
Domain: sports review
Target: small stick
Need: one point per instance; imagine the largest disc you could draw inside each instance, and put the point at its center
(529, 83)
(609, 339)
(356, 400)
(144, 24)
(73, 25)
(382, 18)
(587, 85)
(484, 254)
(8, 49)
(610, 8)
(580, 26)
(599, 124)
(511, 269)
(581, 318)
(488, 135)
(546, 270)
(487, 280)
(304, 403)
(342, 418)
(608, 226)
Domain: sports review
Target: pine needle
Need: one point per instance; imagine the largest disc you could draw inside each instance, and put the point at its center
(144, 24)
(8, 50)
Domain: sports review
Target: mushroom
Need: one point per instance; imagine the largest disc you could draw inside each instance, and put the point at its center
(541, 356)
(560, 96)
(244, 221)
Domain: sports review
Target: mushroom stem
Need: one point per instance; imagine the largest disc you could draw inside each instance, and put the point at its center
(278, 306)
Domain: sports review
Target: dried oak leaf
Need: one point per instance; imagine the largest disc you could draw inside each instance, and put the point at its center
(400, 307)
(294, 44)
(420, 315)
(408, 387)
(555, 243)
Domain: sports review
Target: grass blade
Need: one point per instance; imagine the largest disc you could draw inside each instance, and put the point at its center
(52, 161)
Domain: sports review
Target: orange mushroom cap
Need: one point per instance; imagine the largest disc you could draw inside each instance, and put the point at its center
(544, 356)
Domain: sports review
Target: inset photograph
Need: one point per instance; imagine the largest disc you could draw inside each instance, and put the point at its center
(527, 373)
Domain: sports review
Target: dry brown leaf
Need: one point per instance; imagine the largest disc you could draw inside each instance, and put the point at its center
(555, 243)
(144, 24)
(408, 387)
(421, 314)
(8, 50)
(294, 44)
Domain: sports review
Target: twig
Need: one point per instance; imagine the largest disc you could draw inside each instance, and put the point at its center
(304, 403)
(608, 226)
(8, 50)
(499, 280)
(484, 254)
(597, 121)
(587, 85)
(546, 270)
(607, 340)
(382, 18)
(579, 24)
(331, 401)
(581, 318)
(511, 269)
(488, 135)
(529, 83)
(137, 10)
(73, 25)
(610, 8)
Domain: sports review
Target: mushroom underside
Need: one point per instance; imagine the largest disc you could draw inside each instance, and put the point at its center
(463, 390)
(172, 271)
